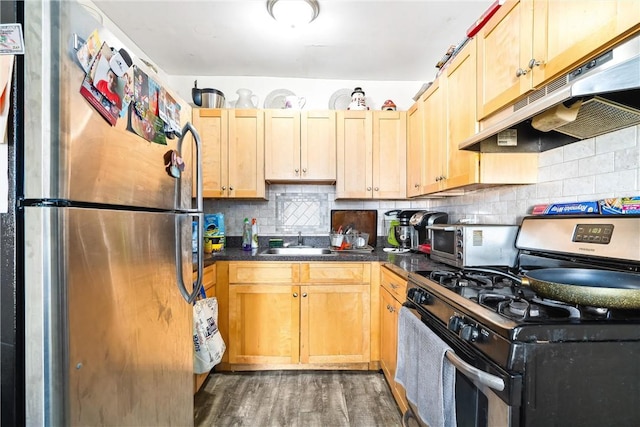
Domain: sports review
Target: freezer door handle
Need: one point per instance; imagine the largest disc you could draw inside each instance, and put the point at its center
(188, 127)
(199, 214)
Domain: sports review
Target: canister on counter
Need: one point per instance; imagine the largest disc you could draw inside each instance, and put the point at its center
(214, 234)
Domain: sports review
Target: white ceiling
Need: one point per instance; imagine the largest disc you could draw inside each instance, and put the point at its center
(383, 40)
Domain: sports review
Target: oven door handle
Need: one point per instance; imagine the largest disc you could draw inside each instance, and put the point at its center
(474, 373)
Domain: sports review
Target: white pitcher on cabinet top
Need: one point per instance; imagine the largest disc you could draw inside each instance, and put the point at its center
(245, 99)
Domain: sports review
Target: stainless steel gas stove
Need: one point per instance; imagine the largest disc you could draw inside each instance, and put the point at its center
(524, 359)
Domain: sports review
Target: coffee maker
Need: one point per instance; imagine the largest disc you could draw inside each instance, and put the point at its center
(412, 230)
(405, 233)
(407, 229)
(421, 221)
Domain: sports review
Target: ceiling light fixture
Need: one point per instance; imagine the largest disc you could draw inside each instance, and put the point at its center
(293, 13)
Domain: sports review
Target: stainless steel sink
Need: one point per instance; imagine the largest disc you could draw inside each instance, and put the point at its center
(298, 251)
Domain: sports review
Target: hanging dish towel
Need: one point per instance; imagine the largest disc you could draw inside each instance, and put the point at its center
(424, 372)
(209, 345)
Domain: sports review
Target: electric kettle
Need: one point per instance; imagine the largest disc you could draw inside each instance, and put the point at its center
(207, 97)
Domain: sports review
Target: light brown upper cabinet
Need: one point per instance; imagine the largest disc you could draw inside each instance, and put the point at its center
(415, 149)
(435, 136)
(462, 166)
(213, 127)
(232, 152)
(466, 168)
(529, 42)
(449, 117)
(371, 155)
(300, 146)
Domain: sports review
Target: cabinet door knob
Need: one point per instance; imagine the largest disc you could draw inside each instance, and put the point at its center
(304, 295)
(304, 170)
(376, 189)
(224, 187)
(368, 188)
(520, 72)
(297, 170)
(534, 63)
(230, 188)
(416, 185)
(295, 295)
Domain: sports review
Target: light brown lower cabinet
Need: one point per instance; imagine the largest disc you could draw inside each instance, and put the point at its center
(291, 315)
(209, 283)
(392, 294)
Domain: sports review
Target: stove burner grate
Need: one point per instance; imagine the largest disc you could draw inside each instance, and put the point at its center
(501, 292)
(470, 279)
(518, 307)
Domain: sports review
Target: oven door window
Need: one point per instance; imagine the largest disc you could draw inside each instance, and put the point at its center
(471, 405)
(444, 241)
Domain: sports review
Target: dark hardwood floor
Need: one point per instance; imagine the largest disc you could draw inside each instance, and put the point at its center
(296, 398)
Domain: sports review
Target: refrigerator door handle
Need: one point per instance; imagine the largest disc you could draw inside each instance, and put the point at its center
(189, 297)
(197, 284)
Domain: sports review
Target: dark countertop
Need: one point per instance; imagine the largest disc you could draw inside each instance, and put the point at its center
(400, 263)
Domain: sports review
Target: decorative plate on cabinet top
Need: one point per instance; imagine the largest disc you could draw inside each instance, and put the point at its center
(340, 99)
(276, 98)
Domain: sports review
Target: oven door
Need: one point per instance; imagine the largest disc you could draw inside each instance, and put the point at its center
(485, 394)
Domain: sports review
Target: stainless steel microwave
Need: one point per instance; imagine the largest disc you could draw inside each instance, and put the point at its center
(474, 245)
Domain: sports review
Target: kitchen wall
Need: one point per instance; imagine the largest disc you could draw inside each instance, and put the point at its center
(595, 168)
(601, 167)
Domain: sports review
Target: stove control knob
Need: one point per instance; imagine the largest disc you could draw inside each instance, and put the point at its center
(455, 323)
(469, 333)
(418, 296)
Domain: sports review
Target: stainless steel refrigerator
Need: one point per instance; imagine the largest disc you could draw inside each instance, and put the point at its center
(103, 267)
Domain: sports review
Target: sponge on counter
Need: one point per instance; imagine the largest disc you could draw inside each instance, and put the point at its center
(276, 243)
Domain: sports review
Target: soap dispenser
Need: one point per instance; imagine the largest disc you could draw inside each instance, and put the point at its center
(254, 233)
(246, 235)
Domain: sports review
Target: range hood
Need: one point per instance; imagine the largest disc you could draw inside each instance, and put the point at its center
(600, 96)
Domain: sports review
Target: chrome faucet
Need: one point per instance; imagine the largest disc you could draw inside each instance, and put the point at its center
(300, 238)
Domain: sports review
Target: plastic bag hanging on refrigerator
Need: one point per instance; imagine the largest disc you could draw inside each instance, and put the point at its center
(208, 343)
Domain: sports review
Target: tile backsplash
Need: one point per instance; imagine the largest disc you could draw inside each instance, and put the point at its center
(301, 212)
(595, 168)
(298, 208)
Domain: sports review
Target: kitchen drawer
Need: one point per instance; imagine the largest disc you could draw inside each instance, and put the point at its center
(263, 272)
(396, 285)
(335, 272)
(208, 280)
